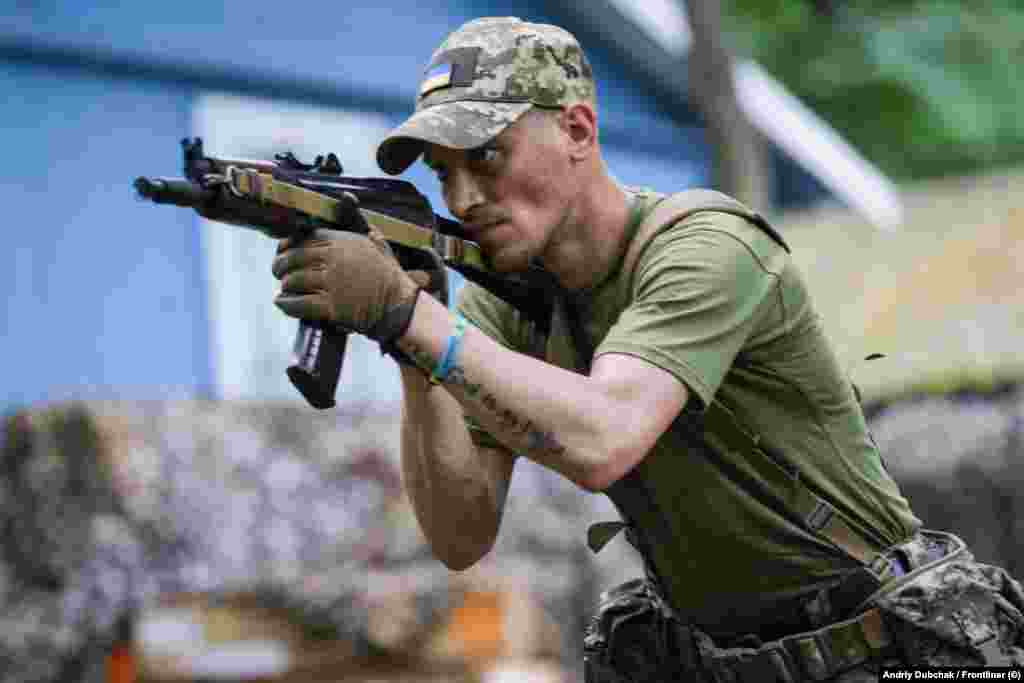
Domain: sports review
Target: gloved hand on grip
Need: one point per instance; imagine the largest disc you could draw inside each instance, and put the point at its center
(354, 282)
(342, 279)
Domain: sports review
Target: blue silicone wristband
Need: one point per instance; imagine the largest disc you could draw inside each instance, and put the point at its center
(447, 362)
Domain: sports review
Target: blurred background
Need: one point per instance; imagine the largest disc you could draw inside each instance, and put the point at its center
(171, 510)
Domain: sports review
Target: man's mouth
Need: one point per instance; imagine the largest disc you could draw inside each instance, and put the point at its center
(478, 230)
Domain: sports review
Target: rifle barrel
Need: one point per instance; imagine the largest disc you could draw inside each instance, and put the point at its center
(177, 191)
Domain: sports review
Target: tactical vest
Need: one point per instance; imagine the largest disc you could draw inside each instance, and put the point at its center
(715, 431)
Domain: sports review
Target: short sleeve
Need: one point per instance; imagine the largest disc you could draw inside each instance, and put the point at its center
(489, 314)
(699, 291)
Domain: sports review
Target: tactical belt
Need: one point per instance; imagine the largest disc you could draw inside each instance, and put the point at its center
(813, 655)
(825, 652)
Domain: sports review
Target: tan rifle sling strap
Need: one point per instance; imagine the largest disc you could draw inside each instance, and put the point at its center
(264, 188)
(718, 428)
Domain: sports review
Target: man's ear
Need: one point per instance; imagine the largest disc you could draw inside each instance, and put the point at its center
(580, 123)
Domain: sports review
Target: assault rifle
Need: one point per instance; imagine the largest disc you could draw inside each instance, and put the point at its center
(287, 198)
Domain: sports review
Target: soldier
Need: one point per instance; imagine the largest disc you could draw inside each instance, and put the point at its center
(685, 375)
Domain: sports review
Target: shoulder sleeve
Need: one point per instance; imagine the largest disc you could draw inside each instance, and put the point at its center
(489, 314)
(499, 321)
(699, 291)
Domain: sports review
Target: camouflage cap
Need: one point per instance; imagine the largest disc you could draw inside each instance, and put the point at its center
(482, 78)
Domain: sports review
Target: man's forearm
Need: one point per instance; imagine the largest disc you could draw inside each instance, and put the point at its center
(457, 491)
(552, 416)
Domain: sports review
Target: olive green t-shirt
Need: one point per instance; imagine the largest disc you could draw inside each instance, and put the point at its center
(719, 304)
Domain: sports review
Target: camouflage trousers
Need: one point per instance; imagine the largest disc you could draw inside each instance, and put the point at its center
(945, 609)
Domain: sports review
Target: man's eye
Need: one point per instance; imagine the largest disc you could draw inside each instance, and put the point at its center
(485, 154)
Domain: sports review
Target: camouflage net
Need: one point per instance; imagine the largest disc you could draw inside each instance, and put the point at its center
(105, 508)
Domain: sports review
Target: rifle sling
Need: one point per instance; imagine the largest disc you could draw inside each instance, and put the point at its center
(264, 188)
(530, 292)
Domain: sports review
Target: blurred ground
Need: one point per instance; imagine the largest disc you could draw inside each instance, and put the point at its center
(272, 538)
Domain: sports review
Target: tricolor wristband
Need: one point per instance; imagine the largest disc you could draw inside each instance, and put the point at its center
(447, 361)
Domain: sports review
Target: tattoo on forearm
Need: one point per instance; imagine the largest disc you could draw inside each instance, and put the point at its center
(508, 420)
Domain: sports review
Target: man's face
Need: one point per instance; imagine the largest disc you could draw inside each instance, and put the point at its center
(513, 193)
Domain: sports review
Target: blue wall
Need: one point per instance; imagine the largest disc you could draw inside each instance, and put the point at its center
(374, 53)
(103, 295)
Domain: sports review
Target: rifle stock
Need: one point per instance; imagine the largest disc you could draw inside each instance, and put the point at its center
(286, 198)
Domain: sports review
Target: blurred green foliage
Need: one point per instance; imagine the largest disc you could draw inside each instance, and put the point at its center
(922, 88)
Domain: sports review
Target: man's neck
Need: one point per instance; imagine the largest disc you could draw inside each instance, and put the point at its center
(590, 242)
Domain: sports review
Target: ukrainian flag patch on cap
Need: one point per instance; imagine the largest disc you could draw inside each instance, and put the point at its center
(439, 76)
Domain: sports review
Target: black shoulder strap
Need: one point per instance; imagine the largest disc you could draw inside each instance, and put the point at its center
(674, 208)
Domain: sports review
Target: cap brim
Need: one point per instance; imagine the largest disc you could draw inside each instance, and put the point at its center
(459, 125)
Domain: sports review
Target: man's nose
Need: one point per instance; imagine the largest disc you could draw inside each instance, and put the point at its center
(463, 193)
